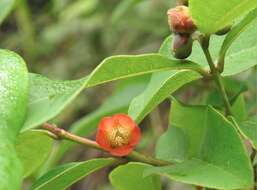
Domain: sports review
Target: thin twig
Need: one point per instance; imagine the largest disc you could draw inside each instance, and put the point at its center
(58, 133)
(218, 80)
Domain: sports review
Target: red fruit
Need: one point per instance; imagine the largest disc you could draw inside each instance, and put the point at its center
(180, 20)
(118, 134)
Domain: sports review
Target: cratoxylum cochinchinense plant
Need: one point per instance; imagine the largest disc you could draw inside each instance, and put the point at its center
(204, 144)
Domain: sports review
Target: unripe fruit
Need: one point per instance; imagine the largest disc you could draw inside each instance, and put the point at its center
(118, 134)
(182, 46)
(180, 20)
(224, 30)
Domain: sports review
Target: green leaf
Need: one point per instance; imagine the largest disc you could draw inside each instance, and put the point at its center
(13, 101)
(236, 31)
(178, 151)
(217, 157)
(240, 61)
(65, 175)
(160, 87)
(248, 129)
(130, 176)
(33, 148)
(48, 98)
(165, 49)
(118, 102)
(239, 109)
(13, 90)
(5, 8)
(246, 126)
(219, 13)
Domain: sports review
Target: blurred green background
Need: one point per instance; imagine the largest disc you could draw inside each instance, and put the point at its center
(67, 39)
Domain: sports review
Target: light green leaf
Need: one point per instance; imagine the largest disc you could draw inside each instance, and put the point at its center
(33, 148)
(160, 87)
(5, 8)
(211, 16)
(65, 175)
(48, 98)
(13, 90)
(130, 176)
(217, 157)
(236, 31)
(13, 101)
(240, 61)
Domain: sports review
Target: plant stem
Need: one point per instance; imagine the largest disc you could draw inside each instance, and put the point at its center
(59, 134)
(218, 80)
(148, 159)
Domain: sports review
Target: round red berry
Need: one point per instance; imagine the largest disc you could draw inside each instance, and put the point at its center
(118, 134)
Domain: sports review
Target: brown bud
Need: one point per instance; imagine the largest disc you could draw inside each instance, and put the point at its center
(182, 46)
(180, 20)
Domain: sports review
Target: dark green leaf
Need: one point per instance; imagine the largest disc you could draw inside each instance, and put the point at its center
(65, 175)
(130, 176)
